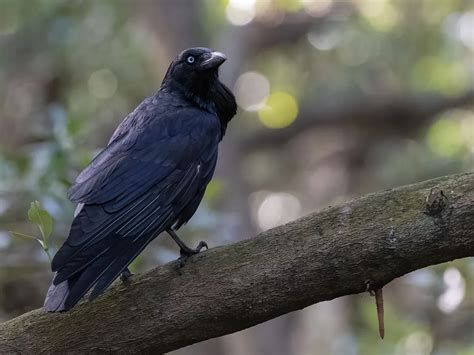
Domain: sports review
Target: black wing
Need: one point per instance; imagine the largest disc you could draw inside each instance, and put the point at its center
(154, 168)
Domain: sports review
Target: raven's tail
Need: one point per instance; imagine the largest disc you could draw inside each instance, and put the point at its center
(56, 297)
(67, 287)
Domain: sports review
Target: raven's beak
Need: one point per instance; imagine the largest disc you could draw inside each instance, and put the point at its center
(214, 61)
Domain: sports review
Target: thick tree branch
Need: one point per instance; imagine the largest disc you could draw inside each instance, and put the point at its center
(319, 257)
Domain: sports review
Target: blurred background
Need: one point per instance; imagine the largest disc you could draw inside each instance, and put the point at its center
(336, 99)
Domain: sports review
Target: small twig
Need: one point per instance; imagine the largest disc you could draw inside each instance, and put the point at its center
(379, 304)
(380, 314)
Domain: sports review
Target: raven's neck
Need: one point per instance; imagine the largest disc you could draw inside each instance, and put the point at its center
(211, 96)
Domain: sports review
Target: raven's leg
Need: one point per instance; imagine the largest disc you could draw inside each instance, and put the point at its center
(125, 275)
(184, 250)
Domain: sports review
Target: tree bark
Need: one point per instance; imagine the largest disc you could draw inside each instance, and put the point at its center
(324, 255)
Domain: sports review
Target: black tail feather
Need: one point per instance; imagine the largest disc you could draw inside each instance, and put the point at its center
(104, 270)
(57, 295)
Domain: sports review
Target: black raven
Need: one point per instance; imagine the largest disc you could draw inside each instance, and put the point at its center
(149, 179)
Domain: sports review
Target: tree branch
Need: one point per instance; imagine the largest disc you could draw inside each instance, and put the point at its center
(319, 257)
(390, 115)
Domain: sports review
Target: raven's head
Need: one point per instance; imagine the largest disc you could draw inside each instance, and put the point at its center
(194, 66)
(195, 73)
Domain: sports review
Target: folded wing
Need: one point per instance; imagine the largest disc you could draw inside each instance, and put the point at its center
(152, 175)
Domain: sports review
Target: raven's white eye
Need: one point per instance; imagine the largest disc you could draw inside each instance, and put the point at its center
(190, 59)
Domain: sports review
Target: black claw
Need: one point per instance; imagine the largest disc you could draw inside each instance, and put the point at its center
(186, 252)
(182, 261)
(202, 244)
(125, 275)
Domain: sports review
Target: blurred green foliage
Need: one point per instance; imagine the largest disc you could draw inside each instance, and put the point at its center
(71, 70)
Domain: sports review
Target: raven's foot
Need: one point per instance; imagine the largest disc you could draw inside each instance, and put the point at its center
(125, 275)
(185, 252)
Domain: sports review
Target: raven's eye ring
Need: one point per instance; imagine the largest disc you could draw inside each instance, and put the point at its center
(190, 59)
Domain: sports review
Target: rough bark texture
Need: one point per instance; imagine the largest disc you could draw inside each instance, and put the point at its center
(319, 257)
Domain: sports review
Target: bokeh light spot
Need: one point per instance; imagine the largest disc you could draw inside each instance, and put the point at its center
(240, 12)
(279, 111)
(251, 90)
(289, 5)
(277, 208)
(214, 189)
(444, 137)
(434, 73)
(418, 343)
(323, 41)
(466, 29)
(102, 84)
(317, 8)
(381, 14)
(455, 290)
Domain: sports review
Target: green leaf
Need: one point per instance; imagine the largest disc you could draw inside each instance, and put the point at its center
(42, 218)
